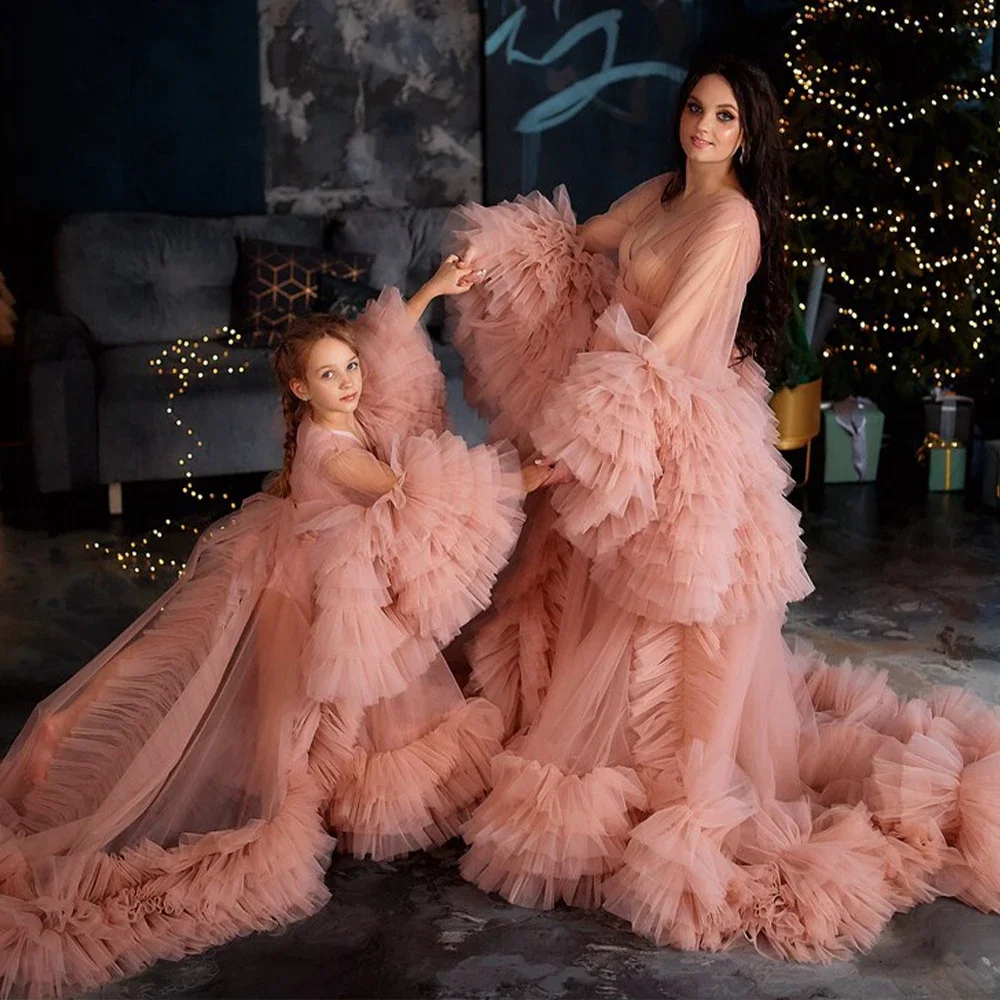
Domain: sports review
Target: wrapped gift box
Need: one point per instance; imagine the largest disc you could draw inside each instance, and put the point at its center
(949, 416)
(853, 434)
(945, 464)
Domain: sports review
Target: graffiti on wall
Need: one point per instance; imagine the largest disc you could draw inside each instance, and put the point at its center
(370, 102)
(581, 92)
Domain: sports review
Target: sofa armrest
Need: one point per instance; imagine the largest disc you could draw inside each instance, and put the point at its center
(48, 337)
(62, 400)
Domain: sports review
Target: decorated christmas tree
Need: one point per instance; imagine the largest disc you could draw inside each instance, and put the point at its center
(892, 127)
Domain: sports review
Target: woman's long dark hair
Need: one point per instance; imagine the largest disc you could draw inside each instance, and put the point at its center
(763, 175)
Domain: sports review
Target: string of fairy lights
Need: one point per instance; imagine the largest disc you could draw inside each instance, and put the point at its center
(959, 285)
(186, 361)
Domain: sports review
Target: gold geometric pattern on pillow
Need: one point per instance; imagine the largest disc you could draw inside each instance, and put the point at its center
(275, 283)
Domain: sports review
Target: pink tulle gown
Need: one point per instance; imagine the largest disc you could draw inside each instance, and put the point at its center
(177, 792)
(669, 757)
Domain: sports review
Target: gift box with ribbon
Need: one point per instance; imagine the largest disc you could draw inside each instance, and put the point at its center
(948, 415)
(853, 439)
(945, 463)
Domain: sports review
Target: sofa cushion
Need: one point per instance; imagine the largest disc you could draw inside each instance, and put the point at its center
(406, 244)
(141, 278)
(277, 282)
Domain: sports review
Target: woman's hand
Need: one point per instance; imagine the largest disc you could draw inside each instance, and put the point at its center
(540, 473)
(535, 474)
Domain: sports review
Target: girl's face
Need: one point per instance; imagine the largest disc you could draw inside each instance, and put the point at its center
(711, 129)
(332, 382)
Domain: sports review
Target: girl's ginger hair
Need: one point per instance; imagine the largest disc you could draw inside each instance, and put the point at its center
(289, 363)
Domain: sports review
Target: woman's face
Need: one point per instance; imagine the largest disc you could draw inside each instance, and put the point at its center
(711, 128)
(332, 382)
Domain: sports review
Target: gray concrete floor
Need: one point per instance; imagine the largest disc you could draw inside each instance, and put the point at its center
(914, 588)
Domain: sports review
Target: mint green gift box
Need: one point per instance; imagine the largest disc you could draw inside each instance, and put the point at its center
(839, 462)
(945, 467)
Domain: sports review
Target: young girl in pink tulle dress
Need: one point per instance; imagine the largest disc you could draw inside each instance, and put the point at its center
(178, 790)
(671, 759)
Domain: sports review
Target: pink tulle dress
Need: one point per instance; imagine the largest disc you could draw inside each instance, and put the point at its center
(668, 757)
(179, 790)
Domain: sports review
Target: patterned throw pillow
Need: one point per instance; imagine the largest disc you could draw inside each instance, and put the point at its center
(276, 283)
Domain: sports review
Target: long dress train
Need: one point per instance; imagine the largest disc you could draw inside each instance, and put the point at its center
(668, 756)
(178, 791)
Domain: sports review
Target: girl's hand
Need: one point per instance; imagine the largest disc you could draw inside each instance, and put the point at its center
(453, 277)
(535, 474)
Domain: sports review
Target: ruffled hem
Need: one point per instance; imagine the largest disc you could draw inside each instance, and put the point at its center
(925, 770)
(675, 886)
(814, 891)
(417, 796)
(520, 329)
(543, 835)
(404, 388)
(74, 923)
(889, 822)
(678, 497)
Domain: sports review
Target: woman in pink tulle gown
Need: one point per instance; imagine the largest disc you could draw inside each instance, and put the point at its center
(669, 758)
(177, 792)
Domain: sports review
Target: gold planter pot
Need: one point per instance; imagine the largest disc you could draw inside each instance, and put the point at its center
(799, 417)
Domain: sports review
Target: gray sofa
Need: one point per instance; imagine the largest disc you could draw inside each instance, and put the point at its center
(128, 286)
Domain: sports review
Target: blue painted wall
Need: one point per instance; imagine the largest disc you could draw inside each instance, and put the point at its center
(127, 105)
(148, 105)
(582, 92)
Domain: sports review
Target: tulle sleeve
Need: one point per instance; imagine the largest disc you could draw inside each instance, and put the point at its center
(358, 470)
(678, 496)
(604, 233)
(520, 328)
(696, 324)
(398, 574)
(404, 389)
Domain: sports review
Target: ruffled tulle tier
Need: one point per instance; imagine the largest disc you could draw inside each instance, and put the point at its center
(72, 923)
(678, 496)
(390, 802)
(456, 515)
(520, 329)
(397, 579)
(543, 836)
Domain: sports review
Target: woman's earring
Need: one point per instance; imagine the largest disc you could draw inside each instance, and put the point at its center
(743, 153)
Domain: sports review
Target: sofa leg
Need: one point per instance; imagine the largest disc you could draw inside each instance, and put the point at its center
(115, 499)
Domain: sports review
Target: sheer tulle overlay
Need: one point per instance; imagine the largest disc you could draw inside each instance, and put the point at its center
(179, 790)
(671, 759)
